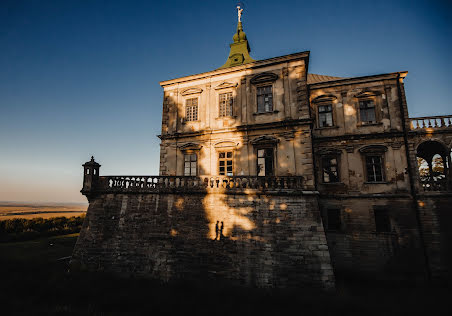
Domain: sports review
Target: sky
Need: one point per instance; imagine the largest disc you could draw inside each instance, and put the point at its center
(81, 77)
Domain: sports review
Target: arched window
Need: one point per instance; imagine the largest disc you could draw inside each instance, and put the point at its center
(433, 164)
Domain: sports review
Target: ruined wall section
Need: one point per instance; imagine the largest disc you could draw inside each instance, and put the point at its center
(269, 240)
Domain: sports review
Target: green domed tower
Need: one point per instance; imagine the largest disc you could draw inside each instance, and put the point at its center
(240, 48)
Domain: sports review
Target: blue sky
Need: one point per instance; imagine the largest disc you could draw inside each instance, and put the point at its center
(80, 78)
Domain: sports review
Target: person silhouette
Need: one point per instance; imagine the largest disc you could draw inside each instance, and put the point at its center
(217, 231)
(221, 230)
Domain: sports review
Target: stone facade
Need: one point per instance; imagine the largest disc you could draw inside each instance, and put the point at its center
(308, 173)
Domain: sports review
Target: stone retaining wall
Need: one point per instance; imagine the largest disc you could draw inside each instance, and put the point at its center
(267, 240)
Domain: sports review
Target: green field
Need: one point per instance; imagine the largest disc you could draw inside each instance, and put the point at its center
(35, 282)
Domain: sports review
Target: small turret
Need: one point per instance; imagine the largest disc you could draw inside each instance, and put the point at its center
(90, 175)
(240, 48)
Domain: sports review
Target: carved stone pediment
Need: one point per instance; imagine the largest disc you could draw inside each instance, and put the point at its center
(191, 91)
(261, 140)
(373, 149)
(328, 151)
(324, 98)
(190, 146)
(367, 93)
(225, 85)
(225, 143)
(264, 77)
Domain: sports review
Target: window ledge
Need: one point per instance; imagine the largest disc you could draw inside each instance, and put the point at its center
(332, 183)
(263, 113)
(233, 117)
(326, 127)
(380, 182)
(189, 122)
(362, 124)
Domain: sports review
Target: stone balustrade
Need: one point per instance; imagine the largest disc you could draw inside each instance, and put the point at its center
(443, 121)
(149, 184)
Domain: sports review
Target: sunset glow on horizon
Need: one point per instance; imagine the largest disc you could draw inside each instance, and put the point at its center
(81, 79)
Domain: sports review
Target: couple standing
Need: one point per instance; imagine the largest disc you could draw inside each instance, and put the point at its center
(219, 231)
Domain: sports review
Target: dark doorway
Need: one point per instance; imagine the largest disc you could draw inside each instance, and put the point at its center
(265, 162)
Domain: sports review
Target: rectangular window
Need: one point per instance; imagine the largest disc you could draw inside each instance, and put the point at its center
(325, 115)
(374, 168)
(330, 172)
(334, 219)
(367, 111)
(226, 103)
(265, 162)
(190, 165)
(264, 99)
(382, 221)
(225, 163)
(191, 109)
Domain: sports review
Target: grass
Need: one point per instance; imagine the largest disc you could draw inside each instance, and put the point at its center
(35, 282)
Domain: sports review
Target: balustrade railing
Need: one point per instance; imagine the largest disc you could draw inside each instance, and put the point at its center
(443, 121)
(201, 183)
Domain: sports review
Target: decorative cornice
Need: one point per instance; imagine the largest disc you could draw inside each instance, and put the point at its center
(225, 143)
(373, 149)
(264, 140)
(367, 93)
(328, 151)
(191, 91)
(324, 98)
(226, 85)
(264, 77)
(190, 146)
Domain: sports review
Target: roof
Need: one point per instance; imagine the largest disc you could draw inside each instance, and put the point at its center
(313, 78)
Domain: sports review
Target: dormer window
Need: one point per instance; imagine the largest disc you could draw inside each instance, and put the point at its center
(264, 99)
(191, 109)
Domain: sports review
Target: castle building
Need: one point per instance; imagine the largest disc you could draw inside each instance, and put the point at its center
(311, 176)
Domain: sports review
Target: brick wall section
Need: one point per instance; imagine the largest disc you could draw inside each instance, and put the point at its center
(270, 240)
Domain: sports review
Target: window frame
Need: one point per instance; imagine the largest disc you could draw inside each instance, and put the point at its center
(367, 99)
(261, 86)
(325, 103)
(267, 147)
(382, 167)
(191, 106)
(225, 159)
(374, 150)
(322, 166)
(231, 105)
(190, 155)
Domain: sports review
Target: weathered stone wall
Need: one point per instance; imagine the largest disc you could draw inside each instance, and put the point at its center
(360, 250)
(436, 217)
(269, 240)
